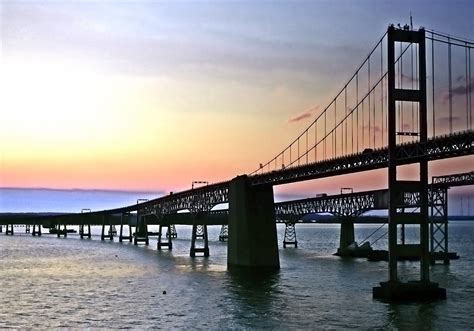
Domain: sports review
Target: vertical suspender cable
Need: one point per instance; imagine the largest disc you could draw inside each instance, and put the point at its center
(470, 90)
(334, 131)
(450, 88)
(345, 120)
(433, 84)
(368, 84)
(401, 86)
(307, 152)
(412, 87)
(315, 141)
(382, 100)
(357, 111)
(417, 79)
(468, 87)
(298, 150)
(324, 139)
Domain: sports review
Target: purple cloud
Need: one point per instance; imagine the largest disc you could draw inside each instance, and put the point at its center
(303, 115)
(459, 90)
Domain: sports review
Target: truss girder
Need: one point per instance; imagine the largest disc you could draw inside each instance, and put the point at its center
(454, 145)
(466, 178)
(353, 204)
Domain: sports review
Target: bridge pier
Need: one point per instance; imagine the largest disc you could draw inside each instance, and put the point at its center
(224, 234)
(439, 226)
(83, 233)
(110, 232)
(121, 236)
(161, 243)
(199, 232)
(27, 228)
(9, 230)
(141, 231)
(290, 235)
(252, 229)
(347, 236)
(171, 232)
(62, 232)
(36, 232)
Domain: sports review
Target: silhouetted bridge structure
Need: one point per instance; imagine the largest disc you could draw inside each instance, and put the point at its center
(401, 107)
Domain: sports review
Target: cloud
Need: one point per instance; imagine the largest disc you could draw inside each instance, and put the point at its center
(306, 114)
(459, 90)
(376, 128)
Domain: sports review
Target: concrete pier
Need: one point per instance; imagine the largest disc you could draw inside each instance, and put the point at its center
(141, 231)
(124, 217)
(199, 232)
(35, 231)
(346, 238)
(161, 242)
(252, 228)
(83, 233)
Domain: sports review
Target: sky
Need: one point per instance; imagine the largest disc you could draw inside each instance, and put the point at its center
(152, 95)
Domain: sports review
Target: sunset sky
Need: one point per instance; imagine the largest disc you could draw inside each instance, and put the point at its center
(152, 95)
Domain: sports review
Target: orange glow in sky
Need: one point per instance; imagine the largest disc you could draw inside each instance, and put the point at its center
(151, 97)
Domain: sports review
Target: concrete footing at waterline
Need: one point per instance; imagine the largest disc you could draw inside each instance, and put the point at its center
(252, 234)
(414, 291)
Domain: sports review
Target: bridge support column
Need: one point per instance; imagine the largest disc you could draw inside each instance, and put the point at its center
(62, 232)
(110, 232)
(290, 235)
(252, 229)
(394, 289)
(347, 236)
(36, 232)
(9, 230)
(161, 243)
(1, 228)
(83, 233)
(141, 231)
(224, 234)
(199, 232)
(122, 219)
(439, 226)
(171, 232)
(27, 228)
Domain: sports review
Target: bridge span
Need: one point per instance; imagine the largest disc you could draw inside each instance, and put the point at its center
(385, 116)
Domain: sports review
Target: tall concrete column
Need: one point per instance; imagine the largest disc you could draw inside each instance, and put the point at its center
(252, 229)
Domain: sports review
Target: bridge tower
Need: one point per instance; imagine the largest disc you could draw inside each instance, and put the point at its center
(394, 289)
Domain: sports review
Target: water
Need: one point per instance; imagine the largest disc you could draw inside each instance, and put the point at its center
(48, 282)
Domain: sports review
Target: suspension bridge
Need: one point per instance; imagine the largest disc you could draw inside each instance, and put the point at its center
(408, 102)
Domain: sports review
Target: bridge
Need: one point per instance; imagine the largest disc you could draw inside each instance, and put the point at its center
(398, 108)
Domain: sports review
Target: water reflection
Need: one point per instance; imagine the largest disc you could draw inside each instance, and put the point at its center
(412, 316)
(255, 292)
